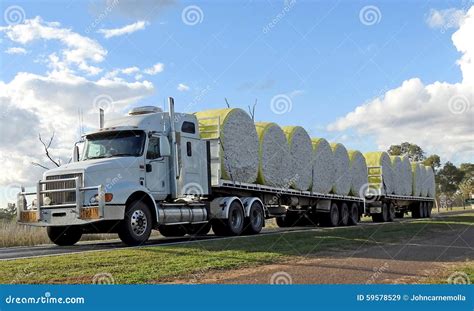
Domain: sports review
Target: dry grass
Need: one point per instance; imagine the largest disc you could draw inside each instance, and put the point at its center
(13, 234)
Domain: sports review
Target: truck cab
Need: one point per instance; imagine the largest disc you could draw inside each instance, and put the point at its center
(129, 170)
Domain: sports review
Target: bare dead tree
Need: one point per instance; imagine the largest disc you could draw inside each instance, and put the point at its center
(252, 110)
(46, 146)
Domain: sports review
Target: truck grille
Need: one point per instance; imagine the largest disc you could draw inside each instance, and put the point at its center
(62, 197)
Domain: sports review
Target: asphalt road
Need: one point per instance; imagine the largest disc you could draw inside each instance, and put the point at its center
(10, 253)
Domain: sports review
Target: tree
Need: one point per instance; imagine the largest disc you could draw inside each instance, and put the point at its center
(434, 161)
(8, 213)
(413, 151)
(46, 146)
(467, 188)
(449, 177)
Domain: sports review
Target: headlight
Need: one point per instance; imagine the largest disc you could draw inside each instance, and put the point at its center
(46, 201)
(95, 198)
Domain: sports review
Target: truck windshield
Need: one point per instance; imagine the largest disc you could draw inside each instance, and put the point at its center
(114, 144)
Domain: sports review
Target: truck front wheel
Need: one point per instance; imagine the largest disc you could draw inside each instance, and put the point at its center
(135, 228)
(64, 236)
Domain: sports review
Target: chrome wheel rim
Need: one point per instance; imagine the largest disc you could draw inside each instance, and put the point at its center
(138, 222)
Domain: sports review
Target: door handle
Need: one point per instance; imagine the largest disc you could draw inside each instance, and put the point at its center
(148, 168)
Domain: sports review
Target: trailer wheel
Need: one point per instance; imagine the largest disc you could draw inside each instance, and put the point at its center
(172, 231)
(344, 214)
(135, 228)
(331, 219)
(391, 212)
(254, 223)
(354, 214)
(383, 216)
(423, 210)
(288, 220)
(64, 236)
(416, 210)
(234, 224)
(429, 207)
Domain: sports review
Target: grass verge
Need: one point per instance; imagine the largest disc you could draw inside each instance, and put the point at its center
(164, 263)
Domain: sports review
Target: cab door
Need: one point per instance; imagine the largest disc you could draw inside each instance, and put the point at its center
(157, 169)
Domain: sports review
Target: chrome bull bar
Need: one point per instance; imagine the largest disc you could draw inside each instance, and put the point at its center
(82, 211)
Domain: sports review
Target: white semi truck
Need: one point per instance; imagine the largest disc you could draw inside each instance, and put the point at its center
(151, 170)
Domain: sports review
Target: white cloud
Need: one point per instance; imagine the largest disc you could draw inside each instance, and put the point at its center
(182, 87)
(157, 68)
(78, 51)
(449, 18)
(31, 104)
(439, 116)
(128, 29)
(15, 50)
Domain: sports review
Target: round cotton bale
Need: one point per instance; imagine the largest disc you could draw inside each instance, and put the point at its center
(324, 170)
(300, 151)
(407, 177)
(358, 172)
(342, 183)
(424, 180)
(417, 179)
(239, 142)
(431, 182)
(273, 154)
(397, 175)
(376, 160)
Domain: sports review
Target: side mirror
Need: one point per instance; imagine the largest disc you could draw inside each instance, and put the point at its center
(75, 154)
(165, 150)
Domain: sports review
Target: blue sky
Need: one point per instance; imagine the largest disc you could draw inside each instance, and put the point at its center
(320, 54)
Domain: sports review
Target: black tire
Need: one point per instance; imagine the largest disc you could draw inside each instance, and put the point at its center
(399, 214)
(135, 228)
(391, 212)
(344, 214)
(429, 208)
(281, 222)
(331, 219)
(416, 210)
(172, 231)
(383, 216)
(254, 223)
(423, 210)
(234, 224)
(290, 219)
(199, 229)
(354, 214)
(64, 235)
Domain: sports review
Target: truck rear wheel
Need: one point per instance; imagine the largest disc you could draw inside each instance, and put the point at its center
(135, 228)
(344, 214)
(331, 219)
(64, 235)
(172, 231)
(234, 224)
(254, 223)
(354, 214)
